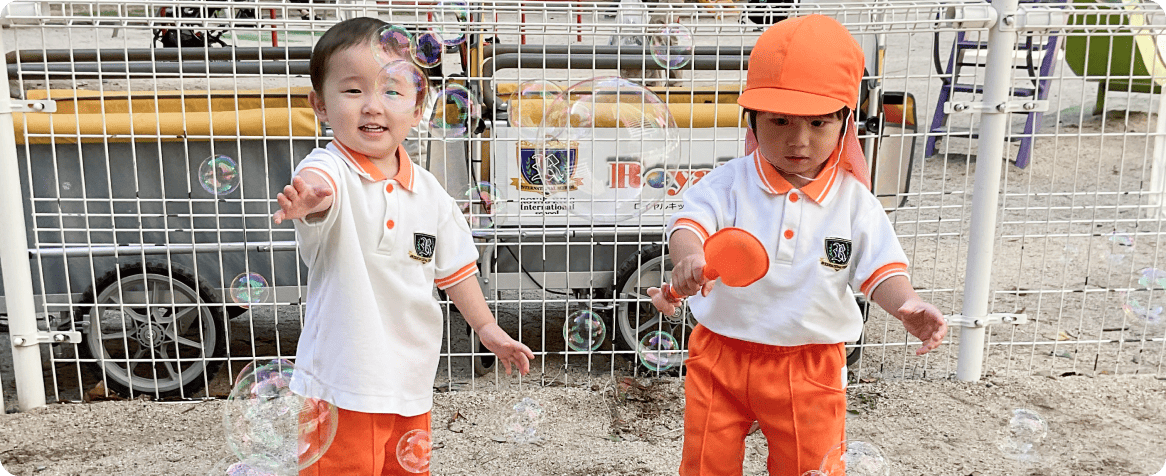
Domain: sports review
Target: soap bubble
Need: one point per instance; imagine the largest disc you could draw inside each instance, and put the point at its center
(426, 50)
(1152, 277)
(659, 351)
(615, 118)
(231, 466)
(1026, 430)
(521, 425)
(479, 203)
(249, 288)
(413, 451)
(391, 43)
(529, 103)
(455, 112)
(401, 84)
(1121, 239)
(672, 46)
(855, 458)
(450, 22)
(219, 175)
(272, 429)
(1136, 312)
(584, 331)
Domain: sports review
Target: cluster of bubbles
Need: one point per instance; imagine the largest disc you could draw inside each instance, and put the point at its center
(625, 119)
(479, 203)
(403, 83)
(521, 425)
(414, 449)
(659, 351)
(1135, 311)
(219, 175)
(584, 331)
(249, 288)
(1026, 431)
(271, 430)
(854, 458)
(1152, 277)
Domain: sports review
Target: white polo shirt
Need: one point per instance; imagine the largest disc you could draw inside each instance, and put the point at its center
(373, 328)
(823, 240)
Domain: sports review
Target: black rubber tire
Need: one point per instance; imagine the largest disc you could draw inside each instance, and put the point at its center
(181, 376)
(651, 265)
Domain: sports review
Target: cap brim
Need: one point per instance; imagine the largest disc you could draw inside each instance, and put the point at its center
(785, 101)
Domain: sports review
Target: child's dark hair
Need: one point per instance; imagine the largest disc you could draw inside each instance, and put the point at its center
(346, 34)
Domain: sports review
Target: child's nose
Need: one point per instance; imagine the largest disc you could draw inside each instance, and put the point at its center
(373, 104)
(800, 136)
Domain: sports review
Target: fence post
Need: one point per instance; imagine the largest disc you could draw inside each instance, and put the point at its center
(986, 189)
(30, 384)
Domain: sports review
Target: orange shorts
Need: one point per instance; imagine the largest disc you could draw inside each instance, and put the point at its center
(795, 393)
(366, 445)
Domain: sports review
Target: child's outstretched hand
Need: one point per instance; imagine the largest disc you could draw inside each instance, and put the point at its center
(688, 276)
(663, 301)
(299, 199)
(924, 321)
(509, 351)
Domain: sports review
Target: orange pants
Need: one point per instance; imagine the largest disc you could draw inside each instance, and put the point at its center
(795, 393)
(366, 445)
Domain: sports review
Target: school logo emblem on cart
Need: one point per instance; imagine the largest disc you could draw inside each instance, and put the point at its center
(548, 167)
(423, 246)
(837, 253)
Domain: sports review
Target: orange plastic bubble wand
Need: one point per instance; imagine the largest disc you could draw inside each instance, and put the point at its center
(732, 254)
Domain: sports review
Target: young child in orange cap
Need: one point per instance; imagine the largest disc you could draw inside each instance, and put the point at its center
(772, 351)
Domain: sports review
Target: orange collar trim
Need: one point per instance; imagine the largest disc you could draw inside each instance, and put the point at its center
(369, 171)
(775, 184)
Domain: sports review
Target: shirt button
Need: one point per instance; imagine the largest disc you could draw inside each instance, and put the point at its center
(390, 224)
(389, 188)
(793, 197)
(789, 234)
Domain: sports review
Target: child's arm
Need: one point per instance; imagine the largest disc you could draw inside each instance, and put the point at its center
(920, 318)
(309, 193)
(467, 296)
(687, 255)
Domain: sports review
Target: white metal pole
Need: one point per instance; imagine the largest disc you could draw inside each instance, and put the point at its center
(1158, 166)
(989, 162)
(30, 384)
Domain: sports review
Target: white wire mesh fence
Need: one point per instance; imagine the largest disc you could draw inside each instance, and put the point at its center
(132, 249)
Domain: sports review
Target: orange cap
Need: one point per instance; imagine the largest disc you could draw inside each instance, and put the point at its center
(804, 66)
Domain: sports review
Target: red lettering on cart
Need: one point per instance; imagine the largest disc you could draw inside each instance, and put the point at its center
(633, 175)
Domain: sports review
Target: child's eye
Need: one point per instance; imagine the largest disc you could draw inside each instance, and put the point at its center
(352, 91)
(818, 123)
(392, 93)
(781, 121)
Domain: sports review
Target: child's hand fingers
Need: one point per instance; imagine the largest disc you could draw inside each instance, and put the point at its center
(278, 216)
(707, 287)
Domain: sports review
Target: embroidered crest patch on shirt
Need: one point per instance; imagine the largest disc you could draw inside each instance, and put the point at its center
(423, 246)
(837, 253)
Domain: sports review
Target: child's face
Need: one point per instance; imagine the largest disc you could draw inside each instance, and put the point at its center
(355, 109)
(797, 145)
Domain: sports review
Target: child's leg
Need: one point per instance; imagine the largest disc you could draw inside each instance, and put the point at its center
(715, 416)
(805, 416)
(400, 426)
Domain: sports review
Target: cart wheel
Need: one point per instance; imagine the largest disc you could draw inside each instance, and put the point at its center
(152, 330)
(484, 360)
(634, 314)
(853, 354)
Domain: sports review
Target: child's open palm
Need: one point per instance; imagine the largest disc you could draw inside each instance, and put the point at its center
(300, 199)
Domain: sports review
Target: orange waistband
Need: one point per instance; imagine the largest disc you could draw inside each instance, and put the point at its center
(759, 348)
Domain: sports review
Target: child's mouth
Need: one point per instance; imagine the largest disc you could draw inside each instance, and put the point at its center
(372, 128)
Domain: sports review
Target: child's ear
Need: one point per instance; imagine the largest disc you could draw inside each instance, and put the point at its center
(317, 103)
